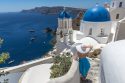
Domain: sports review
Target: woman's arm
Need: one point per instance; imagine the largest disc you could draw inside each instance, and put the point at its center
(75, 56)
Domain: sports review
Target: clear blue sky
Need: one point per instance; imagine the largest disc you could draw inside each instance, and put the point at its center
(18, 5)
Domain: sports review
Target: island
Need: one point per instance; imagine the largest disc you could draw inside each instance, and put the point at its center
(76, 12)
(54, 10)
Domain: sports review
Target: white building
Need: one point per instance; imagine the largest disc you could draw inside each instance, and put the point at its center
(96, 23)
(117, 13)
(117, 10)
(102, 23)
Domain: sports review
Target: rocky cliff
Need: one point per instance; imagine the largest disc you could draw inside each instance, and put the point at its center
(54, 10)
(76, 12)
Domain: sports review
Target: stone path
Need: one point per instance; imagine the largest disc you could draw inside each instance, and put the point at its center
(93, 75)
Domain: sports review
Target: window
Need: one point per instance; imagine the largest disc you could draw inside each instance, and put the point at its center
(102, 32)
(117, 16)
(90, 31)
(113, 4)
(120, 4)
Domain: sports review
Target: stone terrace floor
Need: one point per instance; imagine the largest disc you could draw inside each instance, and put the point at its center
(93, 75)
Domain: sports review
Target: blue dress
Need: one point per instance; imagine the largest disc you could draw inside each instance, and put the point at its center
(84, 66)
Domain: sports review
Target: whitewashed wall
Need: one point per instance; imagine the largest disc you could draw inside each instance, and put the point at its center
(96, 29)
(116, 3)
(114, 12)
(28, 65)
(113, 63)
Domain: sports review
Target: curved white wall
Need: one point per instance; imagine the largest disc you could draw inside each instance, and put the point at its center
(112, 63)
(28, 65)
(72, 76)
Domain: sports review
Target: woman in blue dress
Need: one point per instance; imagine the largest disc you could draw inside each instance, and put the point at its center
(84, 65)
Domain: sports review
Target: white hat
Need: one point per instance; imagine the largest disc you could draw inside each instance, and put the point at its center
(80, 48)
(73, 48)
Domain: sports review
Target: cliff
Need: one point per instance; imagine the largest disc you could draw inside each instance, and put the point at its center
(54, 10)
(76, 12)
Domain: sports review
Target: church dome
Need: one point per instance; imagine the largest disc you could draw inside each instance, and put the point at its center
(97, 14)
(64, 14)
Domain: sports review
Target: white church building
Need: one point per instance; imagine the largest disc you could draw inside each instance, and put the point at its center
(101, 24)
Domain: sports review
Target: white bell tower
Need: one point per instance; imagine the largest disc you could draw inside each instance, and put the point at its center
(64, 31)
(117, 10)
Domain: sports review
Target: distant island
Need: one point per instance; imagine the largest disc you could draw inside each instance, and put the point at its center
(77, 12)
(54, 10)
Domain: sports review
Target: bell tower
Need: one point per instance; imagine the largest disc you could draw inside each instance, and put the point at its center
(117, 10)
(64, 31)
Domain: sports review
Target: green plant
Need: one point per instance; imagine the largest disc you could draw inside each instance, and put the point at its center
(57, 59)
(3, 56)
(61, 65)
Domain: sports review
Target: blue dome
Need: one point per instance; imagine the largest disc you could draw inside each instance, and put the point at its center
(64, 14)
(97, 14)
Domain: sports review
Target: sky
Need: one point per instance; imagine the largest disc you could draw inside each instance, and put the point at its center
(18, 5)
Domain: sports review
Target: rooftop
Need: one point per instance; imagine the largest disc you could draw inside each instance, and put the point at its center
(97, 14)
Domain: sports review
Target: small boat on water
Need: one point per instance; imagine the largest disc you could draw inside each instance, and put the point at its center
(1, 41)
(10, 62)
(44, 42)
(32, 39)
(31, 30)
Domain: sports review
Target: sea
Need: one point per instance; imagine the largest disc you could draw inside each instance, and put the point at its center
(24, 36)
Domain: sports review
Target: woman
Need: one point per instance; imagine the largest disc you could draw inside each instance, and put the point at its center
(84, 65)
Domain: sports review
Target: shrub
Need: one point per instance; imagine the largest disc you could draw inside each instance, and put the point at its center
(61, 65)
(3, 56)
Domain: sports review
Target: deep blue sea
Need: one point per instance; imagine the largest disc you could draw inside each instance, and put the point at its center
(15, 30)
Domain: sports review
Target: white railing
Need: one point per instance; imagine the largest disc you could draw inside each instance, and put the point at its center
(23, 67)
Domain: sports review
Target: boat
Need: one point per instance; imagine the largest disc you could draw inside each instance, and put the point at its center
(32, 39)
(10, 62)
(31, 30)
(44, 42)
(1, 41)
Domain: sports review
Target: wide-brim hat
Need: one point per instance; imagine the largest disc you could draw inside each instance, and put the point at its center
(81, 49)
(73, 48)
